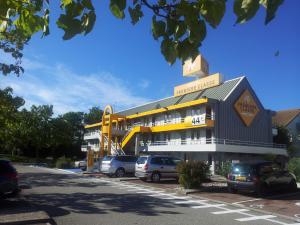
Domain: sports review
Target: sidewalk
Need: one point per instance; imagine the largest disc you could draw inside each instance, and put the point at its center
(39, 217)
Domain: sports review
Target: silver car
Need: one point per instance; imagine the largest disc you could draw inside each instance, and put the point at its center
(156, 167)
(118, 165)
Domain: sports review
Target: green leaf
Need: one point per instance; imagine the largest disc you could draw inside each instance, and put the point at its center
(213, 11)
(117, 8)
(180, 29)
(245, 9)
(158, 28)
(136, 14)
(64, 3)
(271, 7)
(197, 32)
(171, 26)
(70, 25)
(89, 22)
(74, 9)
(168, 49)
(186, 50)
(88, 4)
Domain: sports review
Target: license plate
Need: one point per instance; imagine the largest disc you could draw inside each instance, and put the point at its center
(240, 178)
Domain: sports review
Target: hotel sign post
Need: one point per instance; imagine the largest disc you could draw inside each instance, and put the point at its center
(246, 108)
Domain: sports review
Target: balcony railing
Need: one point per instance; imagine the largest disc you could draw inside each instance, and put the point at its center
(212, 141)
(164, 122)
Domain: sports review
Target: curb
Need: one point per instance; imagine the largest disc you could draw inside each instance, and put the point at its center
(26, 218)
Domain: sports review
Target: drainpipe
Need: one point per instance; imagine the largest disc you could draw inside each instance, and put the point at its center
(136, 147)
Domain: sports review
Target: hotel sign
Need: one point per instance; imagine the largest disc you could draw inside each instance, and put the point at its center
(198, 67)
(246, 108)
(198, 85)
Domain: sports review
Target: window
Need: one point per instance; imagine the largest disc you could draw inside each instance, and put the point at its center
(169, 162)
(141, 160)
(193, 135)
(157, 161)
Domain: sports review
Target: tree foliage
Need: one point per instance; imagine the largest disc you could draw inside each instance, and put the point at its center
(36, 133)
(179, 25)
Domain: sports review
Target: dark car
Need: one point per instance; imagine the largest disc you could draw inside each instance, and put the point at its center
(8, 179)
(260, 177)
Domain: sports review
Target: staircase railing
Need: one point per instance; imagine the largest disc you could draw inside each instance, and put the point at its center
(115, 151)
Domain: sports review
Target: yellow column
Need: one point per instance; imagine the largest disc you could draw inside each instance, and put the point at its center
(109, 136)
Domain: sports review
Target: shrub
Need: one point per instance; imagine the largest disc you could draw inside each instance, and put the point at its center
(224, 169)
(192, 174)
(64, 163)
(294, 167)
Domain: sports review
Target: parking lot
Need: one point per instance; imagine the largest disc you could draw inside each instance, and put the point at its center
(284, 203)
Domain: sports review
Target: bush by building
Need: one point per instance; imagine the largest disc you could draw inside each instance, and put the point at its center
(192, 173)
(224, 169)
(64, 163)
(294, 167)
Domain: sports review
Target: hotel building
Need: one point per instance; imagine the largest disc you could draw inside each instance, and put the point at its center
(206, 119)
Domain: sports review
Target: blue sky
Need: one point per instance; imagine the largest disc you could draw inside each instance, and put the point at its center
(121, 64)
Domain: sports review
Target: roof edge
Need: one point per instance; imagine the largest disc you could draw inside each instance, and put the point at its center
(235, 86)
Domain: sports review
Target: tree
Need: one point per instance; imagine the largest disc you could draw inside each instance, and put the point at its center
(9, 120)
(283, 137)
(180, 25)
(93, 116)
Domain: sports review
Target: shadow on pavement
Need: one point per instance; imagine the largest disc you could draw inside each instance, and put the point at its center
(59, 180)
(58, 204)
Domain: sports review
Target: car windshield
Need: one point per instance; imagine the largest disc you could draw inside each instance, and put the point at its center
(141, 160)
(242, 168)
(107, 158)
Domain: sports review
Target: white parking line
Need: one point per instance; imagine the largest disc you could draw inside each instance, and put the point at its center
(207, 206)
(250, 200)
(190, 201)
(157, 195)
(255, 218)
(230, 211)
(175, 197)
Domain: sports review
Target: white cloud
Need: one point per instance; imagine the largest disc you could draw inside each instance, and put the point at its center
(144, 84)
(67, 90)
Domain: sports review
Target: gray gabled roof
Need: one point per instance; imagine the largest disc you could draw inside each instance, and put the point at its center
(218, 93)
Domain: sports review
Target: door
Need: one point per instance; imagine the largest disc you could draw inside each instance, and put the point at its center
(170, 167)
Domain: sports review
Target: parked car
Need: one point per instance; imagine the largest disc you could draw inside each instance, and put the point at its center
(260, 177)
(81, 164)
(156, 167)
(118, 165)
(8, 179)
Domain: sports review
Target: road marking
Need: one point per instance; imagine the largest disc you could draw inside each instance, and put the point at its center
(157, 195)
(297, 203)
(207, 206)
(260, 206)
(250, 200)
(190, 201)
(175, 197)
(255, 218)
(297, 215)
(230, 211)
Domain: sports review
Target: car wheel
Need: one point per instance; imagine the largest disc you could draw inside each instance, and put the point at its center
(293, 185)
(261, 189)
(232, 190)
(155, 177)
(120, 172)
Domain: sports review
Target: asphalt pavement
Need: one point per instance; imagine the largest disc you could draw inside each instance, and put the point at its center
(73, 199)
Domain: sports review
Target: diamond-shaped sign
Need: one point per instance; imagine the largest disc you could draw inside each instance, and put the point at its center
(246, 107)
